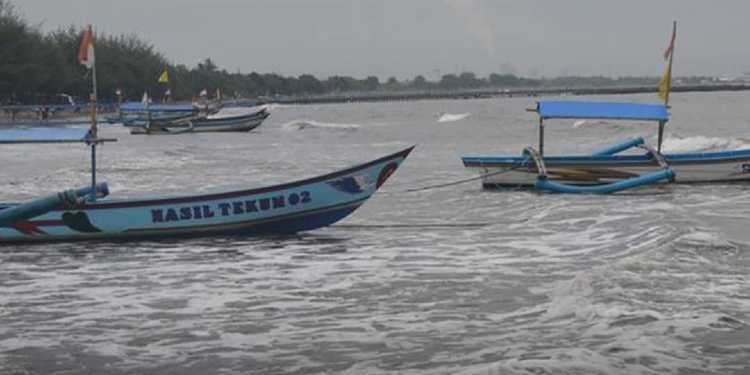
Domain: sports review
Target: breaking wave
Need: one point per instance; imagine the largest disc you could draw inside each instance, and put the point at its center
(311, 124)
(703, 143)
(580, 123)
(450, 117)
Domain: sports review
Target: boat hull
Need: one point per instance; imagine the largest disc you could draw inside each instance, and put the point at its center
(201, 125)
(509, 171)
(282, 209)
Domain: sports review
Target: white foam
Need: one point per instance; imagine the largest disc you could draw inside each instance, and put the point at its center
(312, 124)
(702, 143)
(580, 123)
(451, 117)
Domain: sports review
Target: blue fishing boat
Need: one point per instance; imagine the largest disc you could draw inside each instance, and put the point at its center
(90, 214)
(200, 123)
(607, 170)
(139, 112)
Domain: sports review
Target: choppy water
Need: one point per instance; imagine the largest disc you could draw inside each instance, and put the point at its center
(445, 281)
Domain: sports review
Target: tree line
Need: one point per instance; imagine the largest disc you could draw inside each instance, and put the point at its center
(37, 67)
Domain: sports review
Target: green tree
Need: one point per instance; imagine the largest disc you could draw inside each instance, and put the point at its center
(372, 83)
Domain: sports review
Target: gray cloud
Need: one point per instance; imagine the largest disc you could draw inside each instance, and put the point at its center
(409, 37)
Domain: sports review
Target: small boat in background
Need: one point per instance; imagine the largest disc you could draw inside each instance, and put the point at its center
(134, 112)
(198, 124)
(606, 171)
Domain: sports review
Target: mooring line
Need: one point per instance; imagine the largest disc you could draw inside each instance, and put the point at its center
(458, 182)
(447, 225)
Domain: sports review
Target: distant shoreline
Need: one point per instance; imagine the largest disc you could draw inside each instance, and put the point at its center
(495, 93)
(31, 111)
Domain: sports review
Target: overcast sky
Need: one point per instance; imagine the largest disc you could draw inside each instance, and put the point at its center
(404, 38)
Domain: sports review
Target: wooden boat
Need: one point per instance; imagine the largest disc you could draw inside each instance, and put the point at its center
(132, 113)
(607, 171)
(88, 214)
(199, 124)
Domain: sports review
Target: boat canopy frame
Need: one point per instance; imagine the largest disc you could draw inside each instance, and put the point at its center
(50, 135)
(61, 135)
(559, 109)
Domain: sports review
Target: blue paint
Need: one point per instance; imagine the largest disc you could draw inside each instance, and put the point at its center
(602, 110)
(224, 207)
(346, 184)
(230, 208)
(250, 205)
(612, 159)
(186, 213)
(171, 215)
(294, 199)
(265, 204)
(543, 183)
(278, 202)
(619, 147)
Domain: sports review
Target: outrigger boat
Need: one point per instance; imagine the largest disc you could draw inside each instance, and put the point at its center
(134, 112)
(88, 214)
(200, 124)
(605, 170)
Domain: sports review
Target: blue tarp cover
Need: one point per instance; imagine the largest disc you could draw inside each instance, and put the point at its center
(603, 110)
(43, 135)
(140, 107)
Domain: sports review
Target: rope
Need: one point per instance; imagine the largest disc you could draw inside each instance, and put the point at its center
(459, 182)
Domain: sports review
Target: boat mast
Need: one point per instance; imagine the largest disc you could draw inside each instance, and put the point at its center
(86, 56)
(94, 131)
(668, 77)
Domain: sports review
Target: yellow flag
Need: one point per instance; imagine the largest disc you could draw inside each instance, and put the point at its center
(665, 85)
(164, 77)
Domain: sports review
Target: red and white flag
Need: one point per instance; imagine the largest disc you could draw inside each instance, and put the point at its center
(86, 53)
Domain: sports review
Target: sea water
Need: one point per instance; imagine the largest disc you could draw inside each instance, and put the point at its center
(454, 280)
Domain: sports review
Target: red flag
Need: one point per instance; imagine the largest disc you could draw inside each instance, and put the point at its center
(670, 48)
(86, 53)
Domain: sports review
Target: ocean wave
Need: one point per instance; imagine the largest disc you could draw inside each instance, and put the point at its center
(702, 143)
(580, 123)
(312, 124)
(451, 117)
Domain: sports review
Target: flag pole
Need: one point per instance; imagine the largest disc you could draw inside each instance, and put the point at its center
(668, 89)
(669, 64)
(93, 130)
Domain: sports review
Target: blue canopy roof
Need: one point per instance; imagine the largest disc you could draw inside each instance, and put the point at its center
(140, 107)
(58, 135)
(603, 110)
